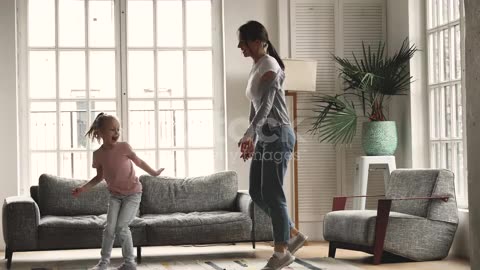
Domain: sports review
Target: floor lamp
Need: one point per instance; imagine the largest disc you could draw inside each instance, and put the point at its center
(300, 76)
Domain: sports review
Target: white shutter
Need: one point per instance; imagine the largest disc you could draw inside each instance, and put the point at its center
(313, 37)
(320, 29)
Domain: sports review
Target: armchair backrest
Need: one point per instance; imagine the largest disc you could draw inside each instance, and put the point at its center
(424, 183)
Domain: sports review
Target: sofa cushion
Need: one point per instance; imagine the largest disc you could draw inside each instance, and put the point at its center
(55, 197)
(82, 222)
(55, 232)
(213, 192)
(197, 228)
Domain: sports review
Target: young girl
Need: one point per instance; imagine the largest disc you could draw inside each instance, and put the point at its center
(269, 140)
(113, 161)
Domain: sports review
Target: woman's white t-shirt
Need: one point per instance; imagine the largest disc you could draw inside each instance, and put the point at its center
(267, 98)
(263, 65)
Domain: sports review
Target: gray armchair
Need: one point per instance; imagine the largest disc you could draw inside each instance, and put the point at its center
(416, 220)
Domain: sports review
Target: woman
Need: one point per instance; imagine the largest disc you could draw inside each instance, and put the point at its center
(270, 128)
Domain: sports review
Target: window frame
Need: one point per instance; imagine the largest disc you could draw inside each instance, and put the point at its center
(461, 184)
(121, 99)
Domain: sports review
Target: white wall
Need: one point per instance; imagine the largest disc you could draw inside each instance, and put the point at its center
(419, 133)
(8, 104)
(237, 69)
(406, 18)
(397, 31)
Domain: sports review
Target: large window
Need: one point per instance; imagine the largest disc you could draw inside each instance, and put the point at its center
(149, 62)
(445, 37)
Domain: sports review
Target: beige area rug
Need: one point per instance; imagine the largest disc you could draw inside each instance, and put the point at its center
(208, 264)
(205, 257)
(253, 264)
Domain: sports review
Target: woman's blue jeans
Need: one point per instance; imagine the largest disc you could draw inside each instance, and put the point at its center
(273, 151)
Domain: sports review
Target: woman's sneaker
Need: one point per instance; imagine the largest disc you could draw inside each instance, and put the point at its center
(101, 265)
(276, 263)
(296, 242)
(127, 266)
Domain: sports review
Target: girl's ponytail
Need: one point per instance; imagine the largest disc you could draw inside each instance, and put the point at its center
(273, 53)
(95, 127)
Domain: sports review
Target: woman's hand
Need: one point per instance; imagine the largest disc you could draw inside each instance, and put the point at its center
(246, 147)
(158, 172)
(76, 191)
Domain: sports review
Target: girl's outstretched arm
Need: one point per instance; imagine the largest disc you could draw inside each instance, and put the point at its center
(142, 164)
(94, 181)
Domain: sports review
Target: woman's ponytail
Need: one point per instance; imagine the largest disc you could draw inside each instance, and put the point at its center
(273, 53)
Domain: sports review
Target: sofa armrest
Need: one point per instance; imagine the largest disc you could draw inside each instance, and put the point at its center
(339, 202)
(261, 222)
(20, 220)
(244, 203)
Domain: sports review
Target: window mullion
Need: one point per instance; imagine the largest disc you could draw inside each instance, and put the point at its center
(122, 81)
(155, 85)
(185, 90)
(220, 159)
(87, 82)
(463, 201)
(24, 102)
(451, 69)
(57, 86)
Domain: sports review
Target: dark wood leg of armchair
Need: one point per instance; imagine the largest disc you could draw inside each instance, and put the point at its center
(331, 250)
(8, 256)
(139, 255)
(383, 212)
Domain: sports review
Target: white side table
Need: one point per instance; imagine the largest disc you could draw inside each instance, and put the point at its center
(360, 176)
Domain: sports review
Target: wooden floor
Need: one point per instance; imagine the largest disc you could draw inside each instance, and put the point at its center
(27, 260)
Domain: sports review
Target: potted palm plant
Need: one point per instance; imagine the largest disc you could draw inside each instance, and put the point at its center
(370, 82)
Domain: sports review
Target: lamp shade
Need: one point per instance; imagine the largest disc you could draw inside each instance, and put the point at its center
(300, 75)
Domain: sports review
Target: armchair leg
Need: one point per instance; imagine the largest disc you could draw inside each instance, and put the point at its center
(331, 250)
(139, 254)
(377, 257)
(8, 256)
(383, 212)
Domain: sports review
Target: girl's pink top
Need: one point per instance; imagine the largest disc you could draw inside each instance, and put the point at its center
(118, 169)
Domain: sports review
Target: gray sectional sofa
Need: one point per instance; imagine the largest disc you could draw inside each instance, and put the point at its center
(173, 211)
